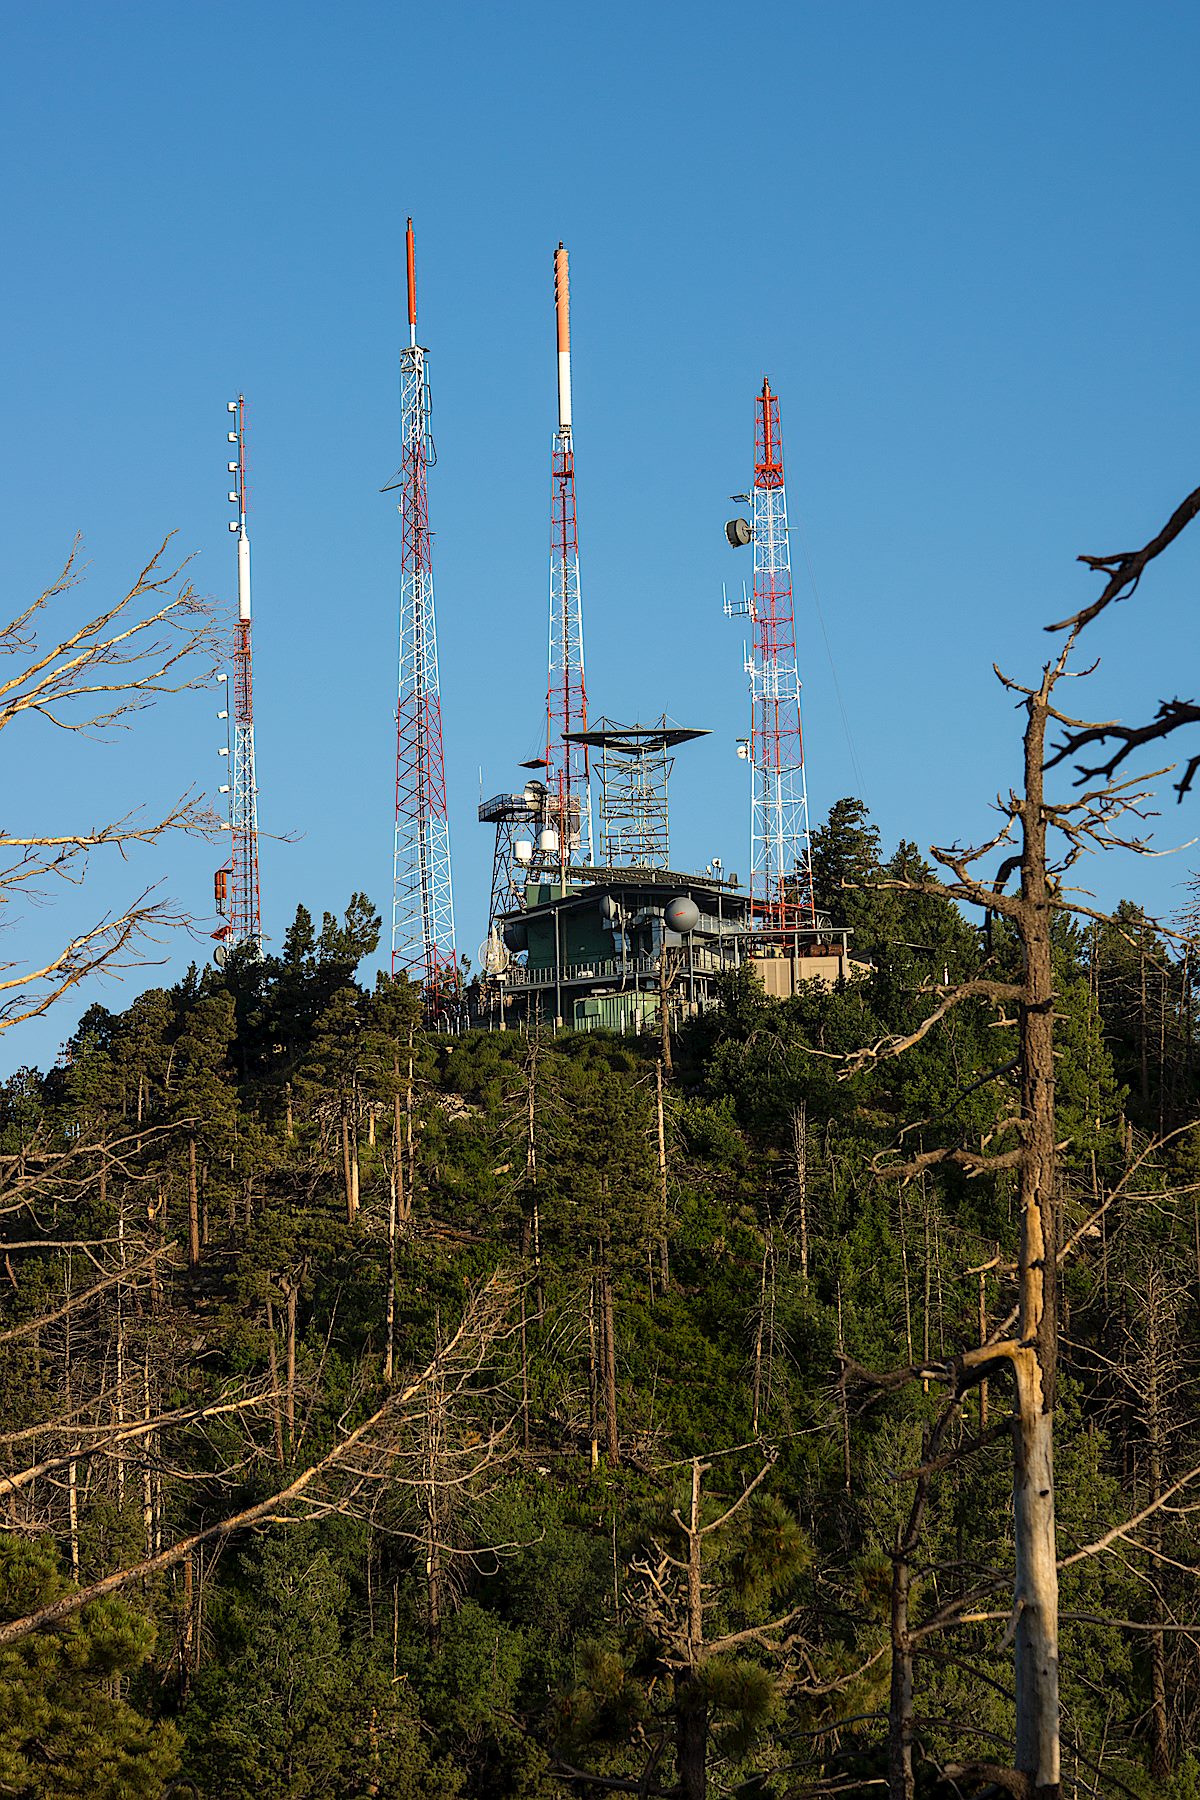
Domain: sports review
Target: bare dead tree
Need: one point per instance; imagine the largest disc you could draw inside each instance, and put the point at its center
(1041, 840)
(156, 639)
(682, 1596)
(459, 1439)
(336, 1482)
(1146, 1372)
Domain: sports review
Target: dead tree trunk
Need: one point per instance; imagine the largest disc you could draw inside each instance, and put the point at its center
(531, 1169)
(193, 1207)
(756, 1384)
(348, 1166)
(1153, 1410)
(664, 1266)
(800, 1163)
(431, 1507)
(147, 1478)
(901, 1774)
(121, 1356)
(389, 1354)
(1035, 1358)
(901, 1780)
(276, 1403)
(664, 1008)
(397, 1216)
(290, 1295)
(843, 1403)
(593, 1376)
(691, 1712)
(608, 1347)
(524, 1376)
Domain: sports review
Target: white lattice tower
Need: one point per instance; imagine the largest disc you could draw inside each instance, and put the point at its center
(780, 861)
(422, 896)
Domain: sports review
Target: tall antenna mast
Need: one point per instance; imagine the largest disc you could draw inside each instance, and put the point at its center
(569, 794)
(422, 901)
(781, 883)
(241, 892)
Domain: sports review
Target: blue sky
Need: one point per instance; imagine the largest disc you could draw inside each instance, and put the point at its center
(960, 240)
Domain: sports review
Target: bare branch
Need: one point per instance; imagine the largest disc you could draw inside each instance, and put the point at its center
(143, 653)
(1170, 716)
(1125, 568)
(998, 991)
(28, 1326)
(465, 1351)
(118, 1435)
(101, 948)
(1127, 1525)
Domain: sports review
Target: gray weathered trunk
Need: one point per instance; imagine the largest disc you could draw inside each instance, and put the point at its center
(900, 1704)
(1035, 1364)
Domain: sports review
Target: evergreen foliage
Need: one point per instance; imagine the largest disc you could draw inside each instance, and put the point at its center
(274, 1179)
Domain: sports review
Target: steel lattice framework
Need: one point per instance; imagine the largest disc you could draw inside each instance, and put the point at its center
(245, 902)
(515, 817)
(635, 767)
(422, 898)
(567, 775)
(780, 861)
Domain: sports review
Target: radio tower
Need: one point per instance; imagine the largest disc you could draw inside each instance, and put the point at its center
(781, 884)
(569, 797)
(422, 902)
(241, 895)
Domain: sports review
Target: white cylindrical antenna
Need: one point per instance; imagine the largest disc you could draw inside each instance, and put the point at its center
(237, 498)
(243, 576)
(562, 307)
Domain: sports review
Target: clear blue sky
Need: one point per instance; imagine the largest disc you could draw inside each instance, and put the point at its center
(961, 240)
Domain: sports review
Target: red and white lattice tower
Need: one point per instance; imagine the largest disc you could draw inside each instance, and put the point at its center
(422, 900)
(569, 805)
(781, 883)
(242, 896)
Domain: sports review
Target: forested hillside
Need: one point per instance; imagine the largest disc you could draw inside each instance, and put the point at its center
(497, 1415)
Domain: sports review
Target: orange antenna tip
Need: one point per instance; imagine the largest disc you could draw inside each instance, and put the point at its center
(562, 299)
(410, 248)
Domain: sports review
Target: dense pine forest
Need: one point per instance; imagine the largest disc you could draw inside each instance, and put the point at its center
(509, 1415)
(799, 1401)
